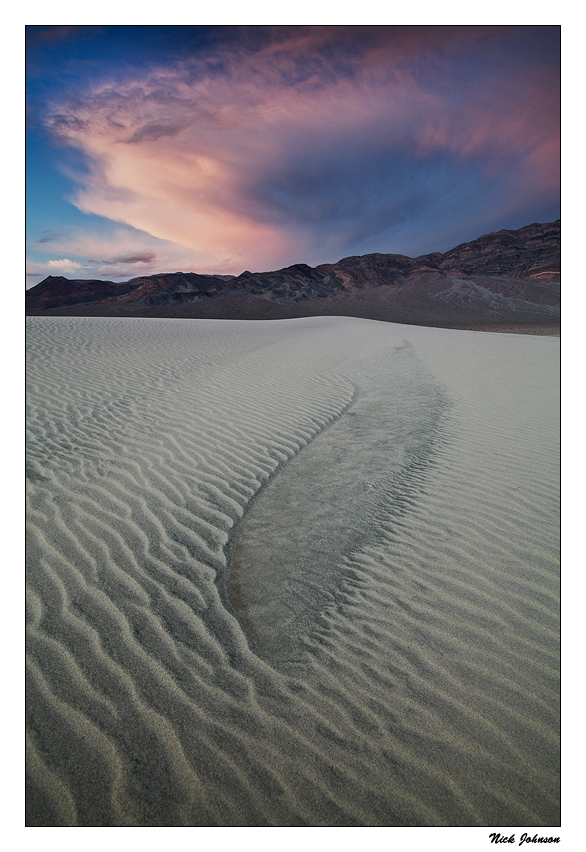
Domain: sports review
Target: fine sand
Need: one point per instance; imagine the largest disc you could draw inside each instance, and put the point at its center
(291, 573)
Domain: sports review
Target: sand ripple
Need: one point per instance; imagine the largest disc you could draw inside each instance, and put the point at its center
(400, 668)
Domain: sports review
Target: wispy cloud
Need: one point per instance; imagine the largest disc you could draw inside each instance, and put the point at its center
(47, 237)
(305, 143)
(149, 257)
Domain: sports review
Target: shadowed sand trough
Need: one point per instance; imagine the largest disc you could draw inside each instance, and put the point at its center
(291, 573)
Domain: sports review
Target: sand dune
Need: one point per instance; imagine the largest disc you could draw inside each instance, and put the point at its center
(291, 573)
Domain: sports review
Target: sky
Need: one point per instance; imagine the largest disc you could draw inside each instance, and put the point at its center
(219, 149)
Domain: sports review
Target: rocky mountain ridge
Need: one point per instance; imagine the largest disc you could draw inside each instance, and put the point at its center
(505, 276)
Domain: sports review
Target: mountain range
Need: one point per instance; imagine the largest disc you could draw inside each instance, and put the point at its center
(503, 278)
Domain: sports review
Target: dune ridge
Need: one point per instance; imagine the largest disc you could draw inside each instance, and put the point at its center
(419, 684)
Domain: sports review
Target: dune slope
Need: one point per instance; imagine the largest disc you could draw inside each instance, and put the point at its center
(293, 573)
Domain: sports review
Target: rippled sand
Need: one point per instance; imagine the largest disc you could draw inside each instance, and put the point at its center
(291, 573)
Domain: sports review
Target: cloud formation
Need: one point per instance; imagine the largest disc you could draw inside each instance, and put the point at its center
(141, 257)
(307, 143)
(120, 255)
(47, 237)
(65, 266)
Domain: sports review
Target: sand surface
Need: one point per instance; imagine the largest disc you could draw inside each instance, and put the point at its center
(291, 573)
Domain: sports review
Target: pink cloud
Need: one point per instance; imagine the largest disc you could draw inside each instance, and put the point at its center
(180, 153)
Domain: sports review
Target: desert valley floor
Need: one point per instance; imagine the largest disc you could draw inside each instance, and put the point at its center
(291, 573)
